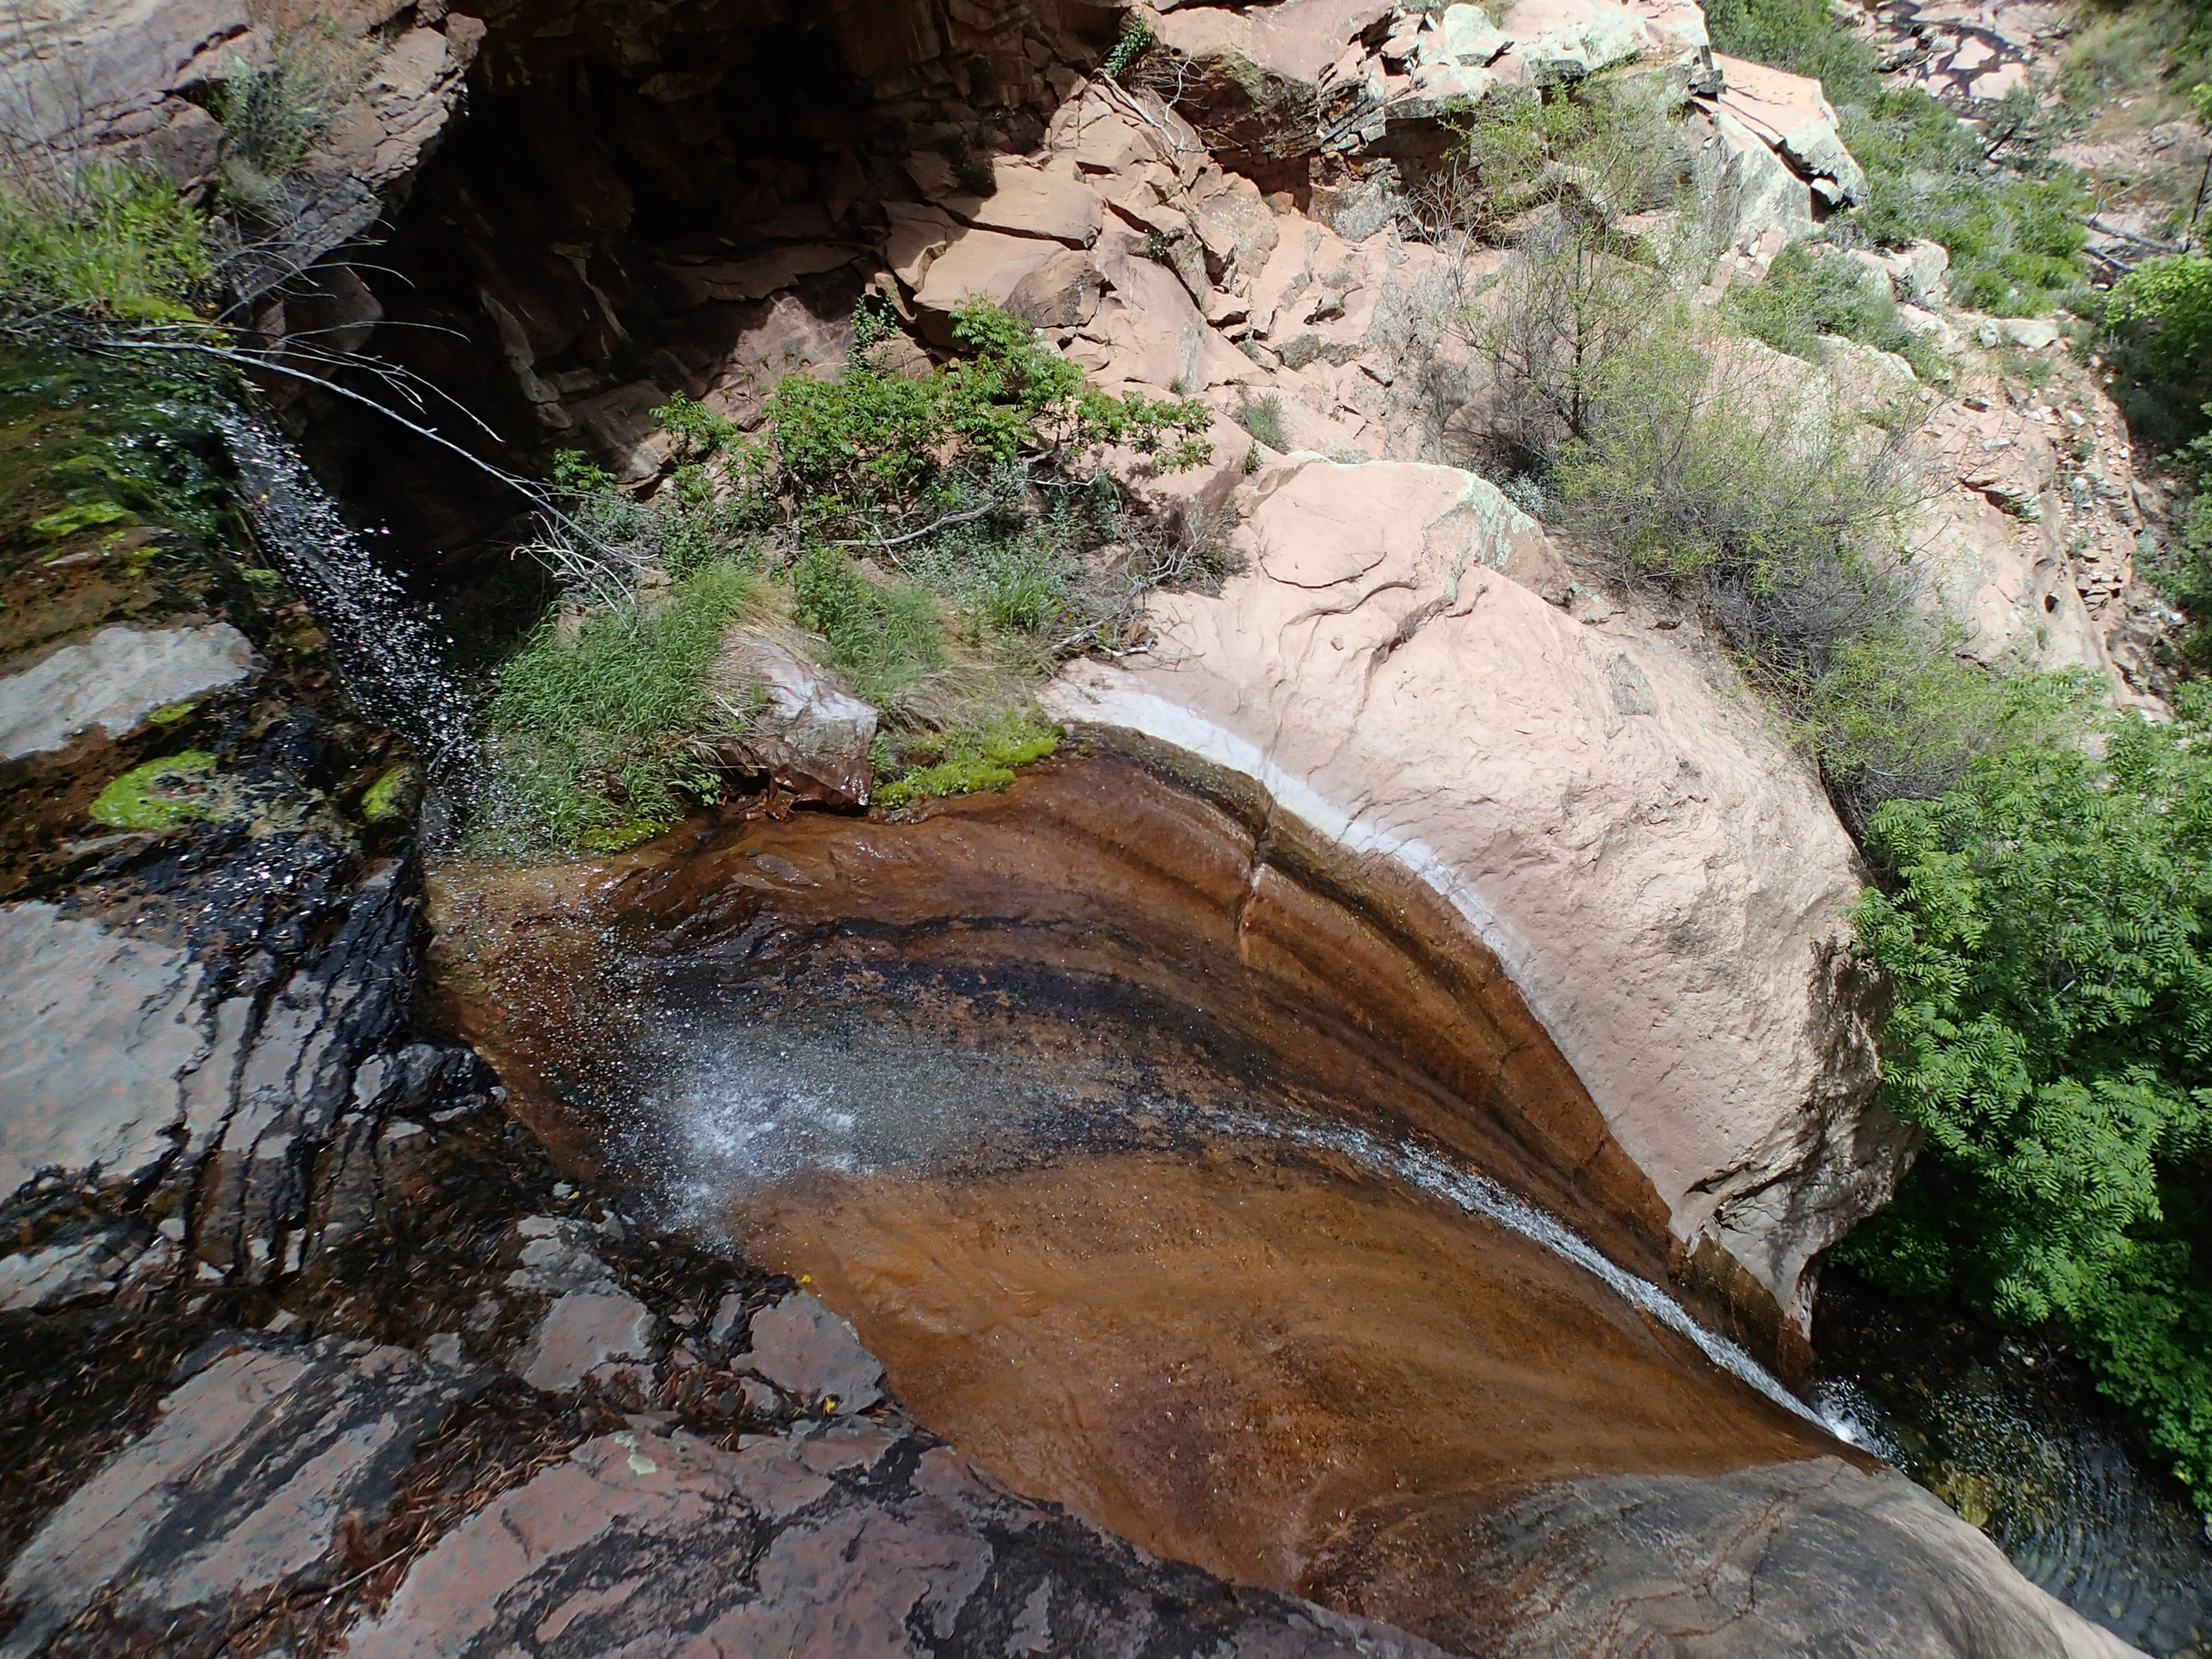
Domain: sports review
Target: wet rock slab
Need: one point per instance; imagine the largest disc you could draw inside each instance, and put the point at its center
(241, 1487)
(850, 1542)
(1816, 1557)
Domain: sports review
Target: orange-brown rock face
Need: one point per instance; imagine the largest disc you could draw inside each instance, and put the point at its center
(1079, 1102)
(1238, 1359)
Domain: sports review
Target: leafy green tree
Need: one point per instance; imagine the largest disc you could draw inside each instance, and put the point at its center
(2170, 301)
(2047, 937)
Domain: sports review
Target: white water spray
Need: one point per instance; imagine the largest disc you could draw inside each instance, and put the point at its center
(395, 663)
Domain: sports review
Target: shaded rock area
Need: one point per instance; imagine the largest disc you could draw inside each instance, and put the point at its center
(207, 950)
(1814, 1557)
(99, 81)
(2009, 1430)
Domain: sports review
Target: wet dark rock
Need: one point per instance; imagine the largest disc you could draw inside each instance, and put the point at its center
(586, 1333)
(808, 736)
(241, 1485)
(804, 1349)
(73, 1269)
(851, 1541)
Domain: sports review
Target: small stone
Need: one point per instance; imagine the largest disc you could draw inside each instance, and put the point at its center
(729, 1316)
(806, 1350)
(581, 1332)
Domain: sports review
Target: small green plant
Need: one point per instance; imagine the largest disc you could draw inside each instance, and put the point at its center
(1263, 418)
(2168, 303)
(971, 759)
(115, 243)
(1136, 40)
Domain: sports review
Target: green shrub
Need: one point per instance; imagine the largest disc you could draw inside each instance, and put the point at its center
(1895, 711)
(273, 115)
(937, 532)
(593, 723)
(1609, 144)
(2168, 304)
(118, 243)
(1803, 297)
(1802, 37)
(2015, 239)
(1695, 462)
(875, 456)
(2045, 937)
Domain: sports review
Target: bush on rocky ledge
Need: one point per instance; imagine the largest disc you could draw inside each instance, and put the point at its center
(2010, 217)
(948, 534)
(2046, 931)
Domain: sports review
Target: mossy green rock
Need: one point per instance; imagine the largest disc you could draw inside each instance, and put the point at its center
(392, 797)
(159, 795)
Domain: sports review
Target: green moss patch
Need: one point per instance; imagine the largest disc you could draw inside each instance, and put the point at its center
(393, 797)
(970, 760)
(159, 795)
(91, 515)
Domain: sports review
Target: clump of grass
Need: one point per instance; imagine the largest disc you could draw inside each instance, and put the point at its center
(112, 241)
(882, 635)
(1263, 418)
(593, 721)
(273, 115)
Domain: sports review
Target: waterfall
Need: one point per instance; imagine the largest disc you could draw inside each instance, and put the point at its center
(394, 663)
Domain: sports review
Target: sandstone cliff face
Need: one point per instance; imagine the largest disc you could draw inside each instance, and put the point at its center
(1660, 873)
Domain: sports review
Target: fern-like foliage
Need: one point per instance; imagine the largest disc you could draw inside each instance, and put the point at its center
(2048, 938)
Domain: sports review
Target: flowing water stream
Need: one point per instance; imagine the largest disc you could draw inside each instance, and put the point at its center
(395, 661)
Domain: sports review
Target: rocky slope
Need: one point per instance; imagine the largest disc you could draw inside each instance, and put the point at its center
(1437, 684)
